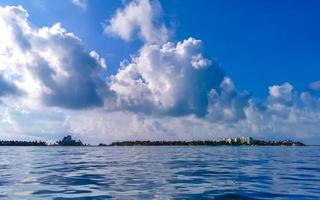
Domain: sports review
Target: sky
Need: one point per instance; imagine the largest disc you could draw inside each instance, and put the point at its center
(107, 71)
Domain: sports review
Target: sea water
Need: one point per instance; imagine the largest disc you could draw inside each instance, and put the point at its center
(160, 172)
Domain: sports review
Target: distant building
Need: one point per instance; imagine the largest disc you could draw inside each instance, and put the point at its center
(243, 140)
(228, 140)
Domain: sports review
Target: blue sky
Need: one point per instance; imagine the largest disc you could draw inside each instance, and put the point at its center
(245, 56)
(271, 41)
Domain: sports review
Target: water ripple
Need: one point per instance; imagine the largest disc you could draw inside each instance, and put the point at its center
(159, 173)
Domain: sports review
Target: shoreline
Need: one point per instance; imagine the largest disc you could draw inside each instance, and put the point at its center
(238, 141)
(103, 146)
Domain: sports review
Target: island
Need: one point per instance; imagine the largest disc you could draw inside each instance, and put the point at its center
(66, 141)
(247, 141)
(238, 141)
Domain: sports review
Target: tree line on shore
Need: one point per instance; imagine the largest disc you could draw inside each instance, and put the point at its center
(68, 141)
(207, 143)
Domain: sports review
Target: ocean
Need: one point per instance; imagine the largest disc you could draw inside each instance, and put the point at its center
(169, 172)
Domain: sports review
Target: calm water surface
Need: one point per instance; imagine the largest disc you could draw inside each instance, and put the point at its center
(159, 173)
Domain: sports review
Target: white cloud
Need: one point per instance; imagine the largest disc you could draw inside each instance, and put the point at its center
(139, 16)
(198, 61)
(281, 94)
(99, 59)
(49, 65)
(288, 122)
(80, 3)
(226, 104)
(315, 85)
(163, 79)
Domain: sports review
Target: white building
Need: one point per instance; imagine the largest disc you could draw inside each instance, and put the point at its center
(228, 140)
(243, 140)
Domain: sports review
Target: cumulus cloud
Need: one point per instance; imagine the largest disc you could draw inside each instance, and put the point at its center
(164, 79)
(175, 79)
(198, 61)
(228, 105)
(139, 16)
(281, 94)
(167, 78)
(50, 65)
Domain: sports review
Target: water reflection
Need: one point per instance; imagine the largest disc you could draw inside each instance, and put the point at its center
(159, 172)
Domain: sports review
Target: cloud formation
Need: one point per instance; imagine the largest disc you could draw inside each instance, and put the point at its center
(50, 65)
(166, 79)
(226, 104)
(281, 94)
(141, 17)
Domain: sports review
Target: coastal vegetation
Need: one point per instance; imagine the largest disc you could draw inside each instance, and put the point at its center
(66, 141)
(247, 141)
(22, 143)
